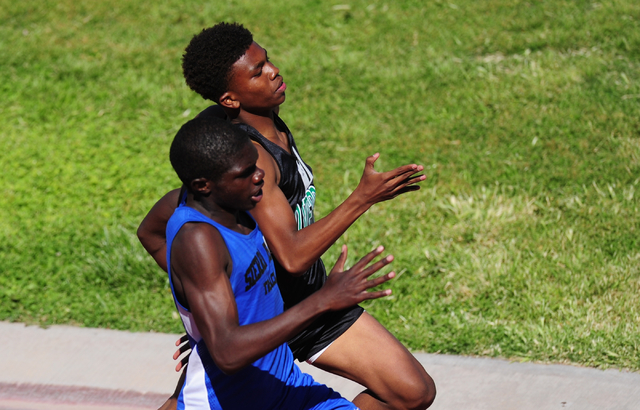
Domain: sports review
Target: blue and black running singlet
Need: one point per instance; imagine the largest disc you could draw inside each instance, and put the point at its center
(272, 382)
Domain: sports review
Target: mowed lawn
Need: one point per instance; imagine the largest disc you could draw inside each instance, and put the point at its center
(523, 242)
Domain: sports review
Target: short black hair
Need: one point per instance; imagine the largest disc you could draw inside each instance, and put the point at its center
(207, 60)
(206, 147)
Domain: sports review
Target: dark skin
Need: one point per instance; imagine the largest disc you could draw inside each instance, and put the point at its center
(255, 90)
(201, 267)
(254, 96)
(296, 250)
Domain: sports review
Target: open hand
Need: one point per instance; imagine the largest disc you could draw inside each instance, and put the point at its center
(376, 186)
(346, 288)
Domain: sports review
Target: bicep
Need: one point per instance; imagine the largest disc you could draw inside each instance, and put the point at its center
(200, 259)
(275, 218)
(273, 213)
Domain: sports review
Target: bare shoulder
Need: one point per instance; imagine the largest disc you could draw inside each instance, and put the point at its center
(171, 198)
(199, 244)
(268, 164)
(197, 234)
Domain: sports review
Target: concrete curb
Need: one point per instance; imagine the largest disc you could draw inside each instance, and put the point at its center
(74, 396)
(65, 367)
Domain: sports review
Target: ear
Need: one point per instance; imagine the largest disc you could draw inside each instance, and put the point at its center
(228, 100)
(201, 186)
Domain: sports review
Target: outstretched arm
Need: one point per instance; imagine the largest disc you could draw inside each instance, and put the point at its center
(200, 260)
(296, 250)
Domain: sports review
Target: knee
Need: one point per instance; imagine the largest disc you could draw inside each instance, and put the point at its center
(418, 394)
(428, 394)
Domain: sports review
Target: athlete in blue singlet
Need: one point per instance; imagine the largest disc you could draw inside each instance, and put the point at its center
(273, 378)
(224, 285)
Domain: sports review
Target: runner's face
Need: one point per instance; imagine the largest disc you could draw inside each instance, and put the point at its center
(241, 186)
(255, 82)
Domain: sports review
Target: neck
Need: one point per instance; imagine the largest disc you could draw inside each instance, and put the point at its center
(229, 218)
(263, 122)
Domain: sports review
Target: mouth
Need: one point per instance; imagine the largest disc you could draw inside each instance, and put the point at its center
(281, 87)
(257, 196)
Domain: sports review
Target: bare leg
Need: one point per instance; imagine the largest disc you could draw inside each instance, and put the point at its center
(368, 354)
(172, 402)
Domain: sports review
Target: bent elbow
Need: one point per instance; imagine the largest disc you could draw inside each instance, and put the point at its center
(229, 365)
(229, 370)
(148, 241)
(142, 235)
(294, 267)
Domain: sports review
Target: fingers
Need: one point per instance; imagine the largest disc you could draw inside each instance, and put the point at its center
(341, 259)
(351, 286)
(369, 163)
(415, 179)
(183, 363)
(379, 281)
(359, 266)
(372, 283)
(404, 170)
(365, 273)
(406, 185)
(401, 189)
(376, 295)
(181, 350)
(182, 339)
(184, 347)
(401, 178)
(405, 189)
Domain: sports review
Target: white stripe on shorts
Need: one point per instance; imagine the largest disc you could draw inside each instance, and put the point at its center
(315, 356)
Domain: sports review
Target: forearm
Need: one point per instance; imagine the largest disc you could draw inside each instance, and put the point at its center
(212, 303)
(298, 250)
(236, 346)
(240, 346)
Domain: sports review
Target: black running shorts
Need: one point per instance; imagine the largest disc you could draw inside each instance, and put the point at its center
(323, 331)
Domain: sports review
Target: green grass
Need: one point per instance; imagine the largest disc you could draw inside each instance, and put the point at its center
(522, 244)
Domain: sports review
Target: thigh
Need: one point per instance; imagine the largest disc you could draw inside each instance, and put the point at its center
(368, 354)
(323, 331)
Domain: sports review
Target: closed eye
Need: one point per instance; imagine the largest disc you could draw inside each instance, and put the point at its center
(248, 172)
(259, 68)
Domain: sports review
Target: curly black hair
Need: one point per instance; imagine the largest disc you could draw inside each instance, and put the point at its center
(206, 147)
(207, 60)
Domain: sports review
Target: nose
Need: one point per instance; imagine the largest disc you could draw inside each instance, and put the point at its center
(258, 176)
(274, 70)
